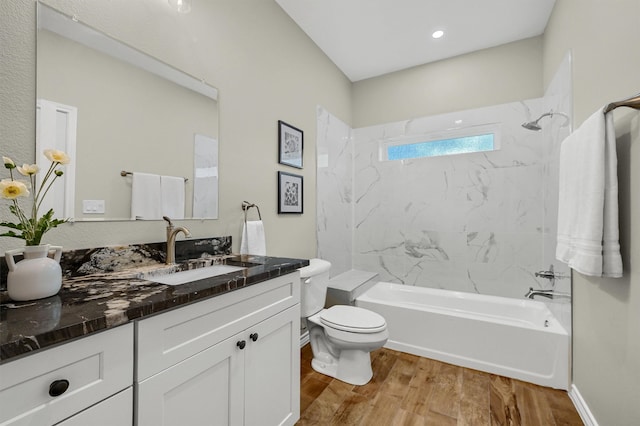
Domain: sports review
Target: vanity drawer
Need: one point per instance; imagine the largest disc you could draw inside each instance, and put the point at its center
(95, 367)
(171, 337)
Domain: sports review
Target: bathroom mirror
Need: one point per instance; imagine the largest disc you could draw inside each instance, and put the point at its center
(117, 111)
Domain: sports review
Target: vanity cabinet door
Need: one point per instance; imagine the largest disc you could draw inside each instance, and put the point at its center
(272, 370)
(205, 389)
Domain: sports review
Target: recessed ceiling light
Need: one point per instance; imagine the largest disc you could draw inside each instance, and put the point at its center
(437, 34)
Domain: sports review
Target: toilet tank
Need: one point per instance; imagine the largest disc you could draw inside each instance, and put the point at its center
(313, 281)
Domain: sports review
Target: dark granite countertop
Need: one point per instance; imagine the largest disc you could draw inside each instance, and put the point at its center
(98, 301)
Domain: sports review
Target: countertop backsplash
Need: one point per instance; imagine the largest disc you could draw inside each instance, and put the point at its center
(118, 258)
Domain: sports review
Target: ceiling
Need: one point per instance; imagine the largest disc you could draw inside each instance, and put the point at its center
(368, 38)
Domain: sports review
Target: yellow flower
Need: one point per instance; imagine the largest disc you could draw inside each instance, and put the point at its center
(12, 189)
(30, 225)
(28, 169)
(8, 162)
(56, 156)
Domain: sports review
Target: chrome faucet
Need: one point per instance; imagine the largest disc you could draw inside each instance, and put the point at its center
(549, 294)
(549, 274)
(172, 232)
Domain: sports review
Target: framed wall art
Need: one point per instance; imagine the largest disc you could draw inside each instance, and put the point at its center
(289, 193)
(290, 142)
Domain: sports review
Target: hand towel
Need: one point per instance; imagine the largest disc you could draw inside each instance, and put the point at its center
(253, 238)
(172, 196)
(588, 199)
(145, 197)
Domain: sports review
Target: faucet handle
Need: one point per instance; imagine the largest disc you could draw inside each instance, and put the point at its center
(168, 220)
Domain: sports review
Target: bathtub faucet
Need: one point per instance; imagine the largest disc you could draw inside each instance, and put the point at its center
(549, 294)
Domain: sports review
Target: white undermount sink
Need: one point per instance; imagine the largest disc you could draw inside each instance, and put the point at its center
(183, 277)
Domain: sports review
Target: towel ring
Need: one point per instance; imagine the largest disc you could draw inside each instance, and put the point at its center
(246, 206)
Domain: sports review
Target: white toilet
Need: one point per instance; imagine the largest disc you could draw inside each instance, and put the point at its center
(342, 336)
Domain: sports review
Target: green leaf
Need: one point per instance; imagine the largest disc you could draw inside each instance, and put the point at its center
(12, 234)
(11, 225)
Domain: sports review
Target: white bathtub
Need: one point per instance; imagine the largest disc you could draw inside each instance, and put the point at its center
(520, 339)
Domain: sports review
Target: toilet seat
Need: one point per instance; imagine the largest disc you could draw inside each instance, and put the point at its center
(352, 319)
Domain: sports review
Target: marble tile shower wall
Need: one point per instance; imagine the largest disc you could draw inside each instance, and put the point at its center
(334, 182)
(469, 222)
(558, 98)
(481, 222)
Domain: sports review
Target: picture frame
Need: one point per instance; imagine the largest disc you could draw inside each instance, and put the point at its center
(290, 193)
(290, 145)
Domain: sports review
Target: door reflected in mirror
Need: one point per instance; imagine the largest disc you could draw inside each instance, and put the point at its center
(113, 108)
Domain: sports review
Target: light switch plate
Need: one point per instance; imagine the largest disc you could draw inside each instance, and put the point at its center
(93, 206)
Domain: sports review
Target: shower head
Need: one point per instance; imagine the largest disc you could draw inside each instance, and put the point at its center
(533, 125)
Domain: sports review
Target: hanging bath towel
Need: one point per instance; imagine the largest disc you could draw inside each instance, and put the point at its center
(253, 238)
(145, 197)
(172, 193)
(588, 235)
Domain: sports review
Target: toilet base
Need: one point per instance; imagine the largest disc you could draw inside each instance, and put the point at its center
(352, 366)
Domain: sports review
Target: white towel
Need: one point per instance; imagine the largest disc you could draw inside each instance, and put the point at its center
(588, 199)
(253, 239)
(172, 196)
(145, 197)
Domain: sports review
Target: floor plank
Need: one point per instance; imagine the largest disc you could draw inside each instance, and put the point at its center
(445, 398)
(421, 387)
(563, 410)
(352, 410)
(407, 390)
(502, 402)
(474, 399)
(533, 405)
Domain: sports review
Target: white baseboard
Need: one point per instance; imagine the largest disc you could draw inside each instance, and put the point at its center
(581, 406)
(304, 338)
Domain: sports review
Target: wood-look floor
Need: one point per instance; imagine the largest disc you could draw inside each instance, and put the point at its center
(410, 390)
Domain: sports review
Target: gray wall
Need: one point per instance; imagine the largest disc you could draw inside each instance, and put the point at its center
(604, 38)
(502, 74)
(266, 69)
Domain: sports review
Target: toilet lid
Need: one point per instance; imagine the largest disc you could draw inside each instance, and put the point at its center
(352, 318)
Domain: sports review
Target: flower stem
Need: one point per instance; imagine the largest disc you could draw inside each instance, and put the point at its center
(45, 193)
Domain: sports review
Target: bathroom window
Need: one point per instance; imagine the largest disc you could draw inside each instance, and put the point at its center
(461, 141)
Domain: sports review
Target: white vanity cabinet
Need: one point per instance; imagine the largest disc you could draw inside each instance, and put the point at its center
(86, 378)
(230, 360)
(113, 411)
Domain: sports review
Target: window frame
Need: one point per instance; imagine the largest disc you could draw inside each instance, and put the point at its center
(459, 133)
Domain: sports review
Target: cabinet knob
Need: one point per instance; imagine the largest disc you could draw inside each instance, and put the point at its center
(58, 387)
(254, 336)
(241, 344)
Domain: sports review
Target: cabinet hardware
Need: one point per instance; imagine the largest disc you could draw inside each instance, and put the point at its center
(58, 387)
(241, 344)
(254, 336)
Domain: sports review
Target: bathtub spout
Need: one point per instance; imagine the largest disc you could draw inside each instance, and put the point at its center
(549, 294)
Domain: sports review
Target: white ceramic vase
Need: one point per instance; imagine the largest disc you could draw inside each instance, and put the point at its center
(37, 275)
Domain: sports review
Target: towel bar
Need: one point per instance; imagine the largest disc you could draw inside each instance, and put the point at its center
(246, 206)
(632, 102)
(124, 173)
